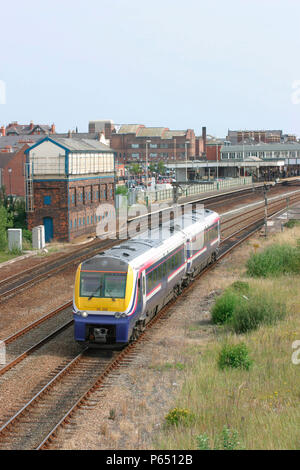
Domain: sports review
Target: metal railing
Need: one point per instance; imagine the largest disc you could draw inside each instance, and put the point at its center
(189, 190)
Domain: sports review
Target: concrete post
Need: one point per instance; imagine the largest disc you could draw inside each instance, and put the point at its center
(14, 239)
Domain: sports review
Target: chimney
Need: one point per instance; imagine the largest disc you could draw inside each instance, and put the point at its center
(107, 130)
(204, 139)
(2, 131)
(69, 134)
(52, 129)
(31, 125)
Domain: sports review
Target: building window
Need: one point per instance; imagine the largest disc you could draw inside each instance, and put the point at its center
(135, 155)
(164, 146)
(153, 155)
(70, 224)
(75, 223)
(135, 146)
(153, 146)
(88, 220)
(47, 200)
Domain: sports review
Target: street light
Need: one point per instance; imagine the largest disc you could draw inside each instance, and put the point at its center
(217, 160)
(9, 174)
(147, 142)
(186, 144)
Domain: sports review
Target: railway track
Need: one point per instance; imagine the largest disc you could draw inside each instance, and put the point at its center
(23, 343)
(16, 283)
(46, 333)
(35, 424)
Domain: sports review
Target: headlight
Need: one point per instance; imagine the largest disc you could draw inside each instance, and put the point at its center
(84, 314)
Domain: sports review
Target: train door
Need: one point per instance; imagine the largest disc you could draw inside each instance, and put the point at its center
(144, 294)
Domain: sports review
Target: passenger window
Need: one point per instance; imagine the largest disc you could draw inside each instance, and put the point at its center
(164, 269)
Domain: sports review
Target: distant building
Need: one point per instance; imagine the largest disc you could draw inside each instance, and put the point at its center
(66, 180)
(15, 129)
(285, 151)
(12, 167)
(131, 142)
(259, 136)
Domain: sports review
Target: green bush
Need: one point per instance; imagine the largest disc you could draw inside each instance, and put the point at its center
(234, 356)
(228, 440)
(122, 190)
(179, 415)
(224, 306)
(259, 309)
(292, 223)
(27, 235)
(241, 287)
(274, 261)
(3, 226)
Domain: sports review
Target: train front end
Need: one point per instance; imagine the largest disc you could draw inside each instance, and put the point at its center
(103, 296)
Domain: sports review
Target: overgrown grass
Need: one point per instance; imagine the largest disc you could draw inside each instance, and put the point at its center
(243, 312)
(260, 308)
(274, 261)
(234, 356)
(259, 406)
(292, 223)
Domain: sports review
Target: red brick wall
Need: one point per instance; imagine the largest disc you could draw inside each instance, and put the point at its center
(80, 203)
(58, 209)
(82, 210)
(211, 152)
(122, 144)
(17, 178)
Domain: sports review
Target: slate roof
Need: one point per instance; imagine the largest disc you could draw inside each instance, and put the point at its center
(5, 158)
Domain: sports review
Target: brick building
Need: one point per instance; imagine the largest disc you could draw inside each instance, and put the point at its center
(132, 141)
(26, 129)
(12, 166)
(67, 179)
(268, 136)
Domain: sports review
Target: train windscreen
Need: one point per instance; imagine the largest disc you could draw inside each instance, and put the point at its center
(103, 285)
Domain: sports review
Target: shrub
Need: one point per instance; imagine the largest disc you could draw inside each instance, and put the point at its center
(234, 356)
(122, 190)
(224, 306)
(241, 287)
(228, 440)
(274, 261)
(27, 235)
(179, 415)
(257, 310)
(292, 223)
(3, 226)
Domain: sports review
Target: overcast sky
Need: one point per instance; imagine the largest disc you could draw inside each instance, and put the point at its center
(174, 63)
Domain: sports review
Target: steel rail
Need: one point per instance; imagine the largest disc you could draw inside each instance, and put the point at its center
(115, 363)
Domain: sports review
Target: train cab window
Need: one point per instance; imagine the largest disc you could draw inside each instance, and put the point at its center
(103, 285)
(160, 272)
(165, 269)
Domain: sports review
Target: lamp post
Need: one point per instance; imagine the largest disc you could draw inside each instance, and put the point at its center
(9, 174)
(217, 160)
(147, 142)
(186, 144)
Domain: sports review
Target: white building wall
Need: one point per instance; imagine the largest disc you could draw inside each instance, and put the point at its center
(86, 163)
(47, 159)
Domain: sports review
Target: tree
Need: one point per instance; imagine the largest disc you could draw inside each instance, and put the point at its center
(4, 224)
(161, 167)
(135, 169)
(122, 190)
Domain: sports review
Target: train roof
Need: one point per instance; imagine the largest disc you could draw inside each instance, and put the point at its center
(135, 247)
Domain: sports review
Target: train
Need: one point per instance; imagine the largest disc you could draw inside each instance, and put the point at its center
(118, 291)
